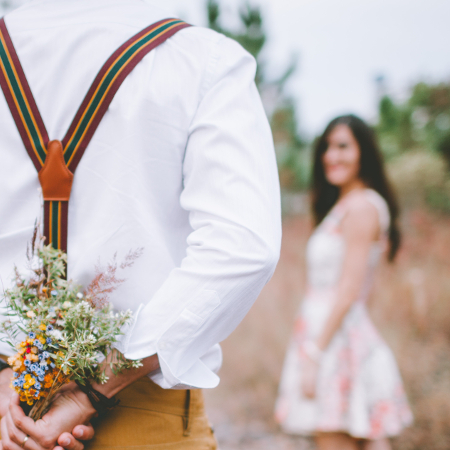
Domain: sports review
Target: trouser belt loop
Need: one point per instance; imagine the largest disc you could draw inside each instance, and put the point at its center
(187, 415)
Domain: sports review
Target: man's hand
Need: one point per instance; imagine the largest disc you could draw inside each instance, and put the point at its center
(5, 390)
(69, 410)
(69, 441)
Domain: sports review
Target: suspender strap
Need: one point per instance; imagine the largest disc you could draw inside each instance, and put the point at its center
(20, 101)
(108, 81)
(57, 161)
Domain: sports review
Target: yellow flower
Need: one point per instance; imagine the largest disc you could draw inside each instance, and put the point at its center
(41, 340)
(31, 314)
(42, 327)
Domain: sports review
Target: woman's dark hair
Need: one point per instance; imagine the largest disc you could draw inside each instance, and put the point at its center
(372, 173)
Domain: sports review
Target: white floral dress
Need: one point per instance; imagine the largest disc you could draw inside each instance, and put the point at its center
(359, 388)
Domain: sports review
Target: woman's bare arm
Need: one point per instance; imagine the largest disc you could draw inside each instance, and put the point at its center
(360, 228)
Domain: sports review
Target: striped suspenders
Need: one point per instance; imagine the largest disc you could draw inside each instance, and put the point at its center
(56, 161)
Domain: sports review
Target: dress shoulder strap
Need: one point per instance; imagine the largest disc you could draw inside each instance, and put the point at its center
(380, 204)
(56, 161)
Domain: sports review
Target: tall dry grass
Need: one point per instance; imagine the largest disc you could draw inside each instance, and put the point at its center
(410, 305)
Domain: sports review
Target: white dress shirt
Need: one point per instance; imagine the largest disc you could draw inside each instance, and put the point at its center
(182, 165)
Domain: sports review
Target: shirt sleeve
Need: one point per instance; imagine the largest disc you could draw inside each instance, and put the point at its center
(231, 192)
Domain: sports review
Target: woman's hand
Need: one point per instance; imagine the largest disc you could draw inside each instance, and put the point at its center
(310, 371)
(68, 411)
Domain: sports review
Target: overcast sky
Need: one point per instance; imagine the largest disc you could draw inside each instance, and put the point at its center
(342, 45)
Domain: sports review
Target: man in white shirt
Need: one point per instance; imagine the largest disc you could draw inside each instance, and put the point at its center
(181, 165)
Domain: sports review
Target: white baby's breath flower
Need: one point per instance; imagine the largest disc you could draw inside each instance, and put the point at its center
(67, 304)
(56, 334)
(103, 378)
(60, 322)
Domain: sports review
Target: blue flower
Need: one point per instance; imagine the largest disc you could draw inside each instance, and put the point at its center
(37, 385)
(45, 355)
(39, 346)
(36, 342)
(54, 293)
(27, 363)
(41, 379)
(16, 383)
(49, 341)
(36, 394)
(16, 375)
(31, 335)
(49, 327)
(52, 365)
(34, 367)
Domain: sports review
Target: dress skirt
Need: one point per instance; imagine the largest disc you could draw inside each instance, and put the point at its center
(359, 388)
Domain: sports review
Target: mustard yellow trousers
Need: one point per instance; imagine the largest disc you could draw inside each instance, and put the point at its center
(149, 417)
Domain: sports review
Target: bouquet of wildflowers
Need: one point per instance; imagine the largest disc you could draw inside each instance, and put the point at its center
(61, 333)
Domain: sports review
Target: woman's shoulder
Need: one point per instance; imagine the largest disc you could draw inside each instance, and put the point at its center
(370, 207)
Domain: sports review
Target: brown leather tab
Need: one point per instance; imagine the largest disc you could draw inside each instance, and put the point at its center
(55, 178)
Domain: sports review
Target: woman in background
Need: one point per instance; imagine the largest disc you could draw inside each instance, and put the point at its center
(340, 380)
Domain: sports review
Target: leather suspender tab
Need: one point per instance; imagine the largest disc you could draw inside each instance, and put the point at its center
(55, 178)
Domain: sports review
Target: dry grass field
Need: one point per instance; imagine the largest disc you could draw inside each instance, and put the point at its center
(411, 307)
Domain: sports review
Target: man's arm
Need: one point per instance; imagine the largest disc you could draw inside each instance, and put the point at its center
(231, 192)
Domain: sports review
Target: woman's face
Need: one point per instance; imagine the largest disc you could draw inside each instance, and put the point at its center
(341, 160)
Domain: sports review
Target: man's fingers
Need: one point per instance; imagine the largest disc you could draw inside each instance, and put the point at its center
(83, 432)
(20, 420)
(6, 441)
(14, 434)
(68, 442)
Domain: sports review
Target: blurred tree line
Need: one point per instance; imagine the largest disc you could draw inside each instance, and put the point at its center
(415, 137)
(421, 121)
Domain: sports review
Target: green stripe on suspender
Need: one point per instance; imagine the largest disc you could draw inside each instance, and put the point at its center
(107, 82)
(55, 224)
(17, 92)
